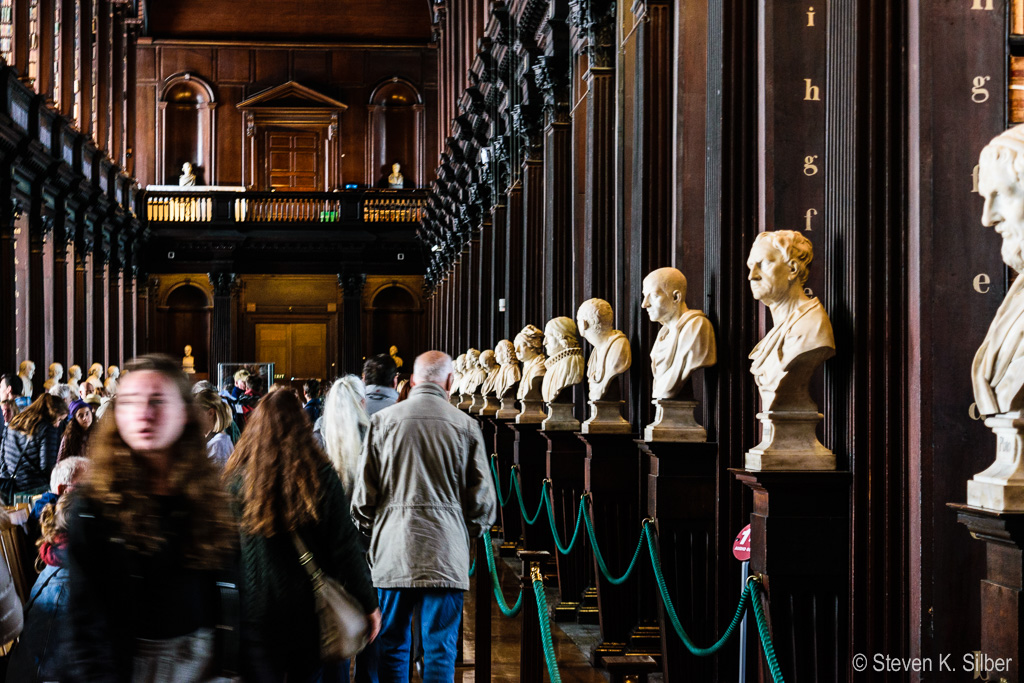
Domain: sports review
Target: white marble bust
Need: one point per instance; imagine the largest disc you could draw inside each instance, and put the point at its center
(686, 340)
(74, 377)
(998, 370)
(458, 368)
(490, 366)
(113, 373)
(95, 376)
(474, 375)
(801, 337)
(54, 376)
(188, 363)
(611, 355)
(529, 346)
(396, 181)
(188, 176)
(26, 371)
(508, 368)
(564, 363)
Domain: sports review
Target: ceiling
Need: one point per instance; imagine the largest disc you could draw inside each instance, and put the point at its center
(374, 21)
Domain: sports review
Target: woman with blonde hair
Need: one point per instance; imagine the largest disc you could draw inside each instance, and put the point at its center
(288, 495)
(215, 419)
(31, 444)
(344, 426)
(150, 538)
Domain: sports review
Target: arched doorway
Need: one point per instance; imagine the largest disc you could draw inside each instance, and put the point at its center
(396, 321)
(395, 133)
(185, 129)
(185, 321)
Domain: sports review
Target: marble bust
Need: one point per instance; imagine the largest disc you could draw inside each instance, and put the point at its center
(685, 342)
(459, 367)
(113, 373)
(508, 369)
(55, 374)
(188, 176)
(474, 375)
(74, 376)
(95, 378)
(488, 405)
(564, 363)
(563, 370)
(610, 358)
(188, 363)
(396, 181)
(783, 361)
(26, 371)
(997, 374)
(529, 348)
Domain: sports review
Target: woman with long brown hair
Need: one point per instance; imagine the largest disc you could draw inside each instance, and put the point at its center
(284, 485)
(149, 538)
(31, 444)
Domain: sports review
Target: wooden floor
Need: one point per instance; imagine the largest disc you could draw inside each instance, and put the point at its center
(504, 644)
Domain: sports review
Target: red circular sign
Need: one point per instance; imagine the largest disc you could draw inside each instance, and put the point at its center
(741, 546)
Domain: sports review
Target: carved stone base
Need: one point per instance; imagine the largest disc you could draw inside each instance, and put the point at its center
(507, 410)
(560, 418)
(674, 422)
(477, 402)
(1001, 486)
(606, 418)
(532, 411)
(489, 407)
(789, 442)
(465, 400)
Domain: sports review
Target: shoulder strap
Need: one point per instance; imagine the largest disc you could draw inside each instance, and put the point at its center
(307, 561)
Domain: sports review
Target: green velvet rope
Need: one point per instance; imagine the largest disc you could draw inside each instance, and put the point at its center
(762, 630)
(554, 532)
(522, 505)
(497, 483)
(615, 581)
(472, 568)
(496, 584)
(545, 632)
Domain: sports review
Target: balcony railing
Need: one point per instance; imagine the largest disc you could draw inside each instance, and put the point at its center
(235, 205)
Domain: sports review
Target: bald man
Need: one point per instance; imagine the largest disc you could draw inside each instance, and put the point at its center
(423, 491)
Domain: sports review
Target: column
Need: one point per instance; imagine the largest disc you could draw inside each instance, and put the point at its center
(113, 320)
(100, 261)
(128, 312)
(60, 312)
(222, 329)
(513, 256)
(351, 330)
(8, 302)
(534, 284)
(36, 351)
(83, 321)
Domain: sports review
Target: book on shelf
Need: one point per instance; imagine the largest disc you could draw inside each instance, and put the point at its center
(1016, 103)
(1017, 17)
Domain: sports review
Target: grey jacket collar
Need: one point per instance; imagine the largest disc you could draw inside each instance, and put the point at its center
(380, 390)
(429, 388)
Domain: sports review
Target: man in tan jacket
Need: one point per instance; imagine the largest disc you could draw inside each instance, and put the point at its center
(423, 490)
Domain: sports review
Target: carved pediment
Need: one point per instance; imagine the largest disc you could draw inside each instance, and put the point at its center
(290, 96)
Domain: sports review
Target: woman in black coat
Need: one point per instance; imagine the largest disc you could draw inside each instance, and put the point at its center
(31, 441)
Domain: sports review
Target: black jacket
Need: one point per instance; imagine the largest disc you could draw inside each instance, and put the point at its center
(37, 455)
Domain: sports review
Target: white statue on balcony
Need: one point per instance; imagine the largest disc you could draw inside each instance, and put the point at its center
(188, 176)
(396, 181)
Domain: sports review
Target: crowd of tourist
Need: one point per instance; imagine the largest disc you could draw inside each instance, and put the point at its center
(174, 521)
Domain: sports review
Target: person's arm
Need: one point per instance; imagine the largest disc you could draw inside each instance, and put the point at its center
(365, 487)
(338, 536)
(49, 449)
(478, 499)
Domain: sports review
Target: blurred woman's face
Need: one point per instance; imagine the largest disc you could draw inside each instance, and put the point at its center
(83, 416)
(150, 412)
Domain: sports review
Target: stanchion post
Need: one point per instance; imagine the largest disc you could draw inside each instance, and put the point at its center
(482, 618)
(531, 651)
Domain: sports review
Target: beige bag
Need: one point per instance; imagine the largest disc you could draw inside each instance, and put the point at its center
(344, 628)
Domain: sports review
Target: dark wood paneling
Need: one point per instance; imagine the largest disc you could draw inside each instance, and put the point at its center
(233, 65)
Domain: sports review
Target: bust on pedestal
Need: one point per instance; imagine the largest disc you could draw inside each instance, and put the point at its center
(476, 375)
(529, 345)
(610, 358)
(686, 342)
(488, 399)
(113, 373)
(187, 177)
(396, 181)
(998, 370)
(56, 372)
(458, 368)
(26, 371)
(74, 377)
(507, 382)
(563, 370)
(783, 362)
(95, 378)
(188, 363)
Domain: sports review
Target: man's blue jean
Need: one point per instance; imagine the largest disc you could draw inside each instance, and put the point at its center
(440, 619)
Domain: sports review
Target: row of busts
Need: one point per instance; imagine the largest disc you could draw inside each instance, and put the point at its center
(96, 378)
(782, 363)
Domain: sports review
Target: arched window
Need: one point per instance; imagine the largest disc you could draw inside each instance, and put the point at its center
(185, 130)
(397, 318)
(184, 319)
(395, 134)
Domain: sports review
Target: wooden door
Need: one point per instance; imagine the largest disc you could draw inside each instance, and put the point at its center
(296, 349)
(293, 161)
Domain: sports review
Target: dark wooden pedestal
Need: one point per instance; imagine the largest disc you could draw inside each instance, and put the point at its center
(681, 496)
(800, 545)
(566, 468)
(501, 441)
(531, 455)
(1002, 606)
(613, 477)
